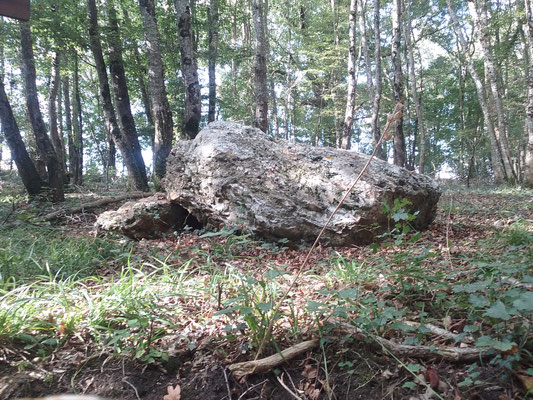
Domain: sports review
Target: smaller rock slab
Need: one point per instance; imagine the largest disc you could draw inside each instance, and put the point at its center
(148, 218)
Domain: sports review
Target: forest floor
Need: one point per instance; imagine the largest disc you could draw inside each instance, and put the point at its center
(142, 320)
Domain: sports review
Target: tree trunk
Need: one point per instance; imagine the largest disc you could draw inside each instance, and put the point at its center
(496, 160)
(528, 167)
(399, 139)
(479, 14)
(352, 79)
(376, 101)
(122, 101)
(68, 126)
(128, 144)
(212, 15)
(77, 125)
(189, 70)
(57, 141)
(260, 66)
(53, 165)
(156, 79)
(416, 99)
(25, 167)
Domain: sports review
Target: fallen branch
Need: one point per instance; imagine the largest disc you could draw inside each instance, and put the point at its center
(266, 364)
(442, 332)
(93, 204)
(444, 352)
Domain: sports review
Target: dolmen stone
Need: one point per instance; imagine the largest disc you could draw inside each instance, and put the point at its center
(148, 218)
(237, 176)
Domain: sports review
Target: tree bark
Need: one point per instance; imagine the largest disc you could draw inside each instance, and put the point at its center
(496, 159)
(189, 69)
(68, 126)
(399, 139)
(416, 99)
(128, 143)
(260, 66)
(479, 13)
(156, 80)
(77, 127)
(378, 79)
(212, 15)
(528, 167)
(54, 171)
(352, 78)
(57, 140)
(25, 167)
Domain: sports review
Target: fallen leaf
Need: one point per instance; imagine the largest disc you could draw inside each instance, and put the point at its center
(173, 393)
(432, 377)
(310, 372)
(526, 380)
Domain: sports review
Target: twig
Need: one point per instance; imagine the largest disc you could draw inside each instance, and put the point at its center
(251, 388)
(391, 118)
(280, 380)
(266, 364)
(134, 388)
(227, 384)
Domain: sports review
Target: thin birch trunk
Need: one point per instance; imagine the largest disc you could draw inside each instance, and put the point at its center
(352, 78)
(260, 65)
(416, 99)
(212, 16)
(378, 81)
(57, 141)
(496, 160)
(528, 167)
(479, 13)
(399, 139)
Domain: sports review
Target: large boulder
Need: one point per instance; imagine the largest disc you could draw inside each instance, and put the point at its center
(235, 175)
(149, 218)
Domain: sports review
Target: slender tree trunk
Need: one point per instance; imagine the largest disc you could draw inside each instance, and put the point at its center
(189, 69)
(53, 165)
(25, 167)
(496, 159)
(416, 99)
(156, 79)
(260, 66)
(399, 139)
(274, 108)
(57, 141)
(528, 167)
(378, 80)
(479, 14)
(77, 126)
(212, 15)
(352, 79)
(122, 101)
(72, 160)
(127, 142)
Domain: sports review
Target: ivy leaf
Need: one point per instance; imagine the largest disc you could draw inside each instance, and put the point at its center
(498, 310)
(524, 302)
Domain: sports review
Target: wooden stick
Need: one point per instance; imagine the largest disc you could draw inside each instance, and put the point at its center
(266, 364)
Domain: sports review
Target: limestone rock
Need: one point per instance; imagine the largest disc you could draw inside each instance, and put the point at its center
(148, 218)
(236, 175)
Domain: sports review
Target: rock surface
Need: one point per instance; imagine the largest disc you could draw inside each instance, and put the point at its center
(148, 218)
(235, 175)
